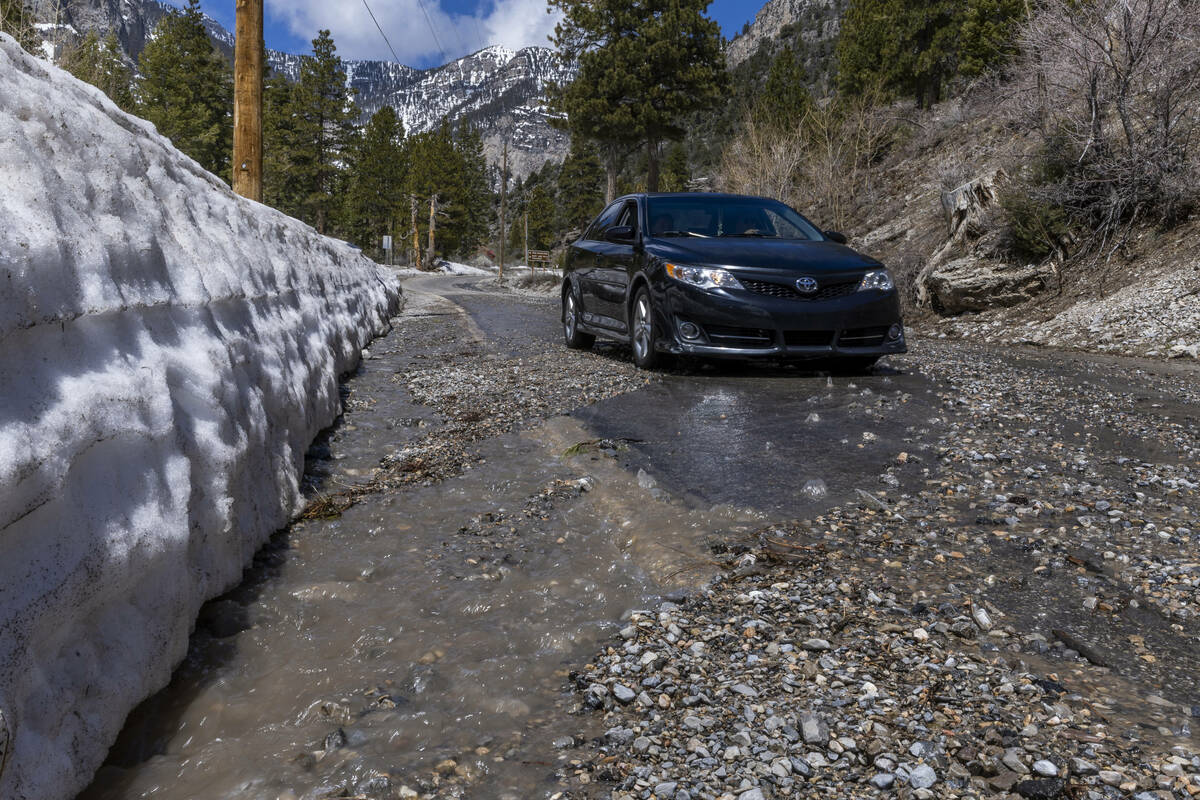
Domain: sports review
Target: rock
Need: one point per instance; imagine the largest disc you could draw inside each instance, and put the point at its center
(618, 736)
(446, 767)
(751, 794)
(972, 283)
(813, 729)
(922, 777)
(981, 617)
(1083, 767)
(1047, 769)
(815, 644)
(743, 689)
(883, 780)
(666, 789)
(563, 742)
(1110, 777)
(623, 694)
(1040, 788)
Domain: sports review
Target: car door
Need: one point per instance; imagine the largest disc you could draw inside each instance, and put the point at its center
(614, 265)
(584, 263)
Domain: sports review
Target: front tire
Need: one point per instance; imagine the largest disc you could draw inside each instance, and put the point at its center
(572, 335)
(643, 332)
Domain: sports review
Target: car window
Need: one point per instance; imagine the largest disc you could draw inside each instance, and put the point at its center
(628, 216)
(606, 220)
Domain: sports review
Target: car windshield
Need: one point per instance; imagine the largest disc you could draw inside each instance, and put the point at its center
(716, 216)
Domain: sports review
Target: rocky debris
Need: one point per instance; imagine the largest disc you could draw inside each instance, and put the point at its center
(938, 719)
(972, 199)
(973, 283)
(947, 632)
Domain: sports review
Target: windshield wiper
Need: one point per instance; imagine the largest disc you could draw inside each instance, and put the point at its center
(683, 233)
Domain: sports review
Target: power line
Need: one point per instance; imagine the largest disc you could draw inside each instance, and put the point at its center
(381, 33)
(429, 22)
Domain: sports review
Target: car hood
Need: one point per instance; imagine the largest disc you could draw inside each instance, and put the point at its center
(774, 254)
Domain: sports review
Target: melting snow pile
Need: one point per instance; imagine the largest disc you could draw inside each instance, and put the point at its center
(168, 352)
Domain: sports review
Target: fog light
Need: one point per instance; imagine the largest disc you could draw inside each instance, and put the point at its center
(895, 332)
(689, 330)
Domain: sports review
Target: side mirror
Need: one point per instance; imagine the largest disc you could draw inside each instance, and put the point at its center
(620, 234)
(834, 236)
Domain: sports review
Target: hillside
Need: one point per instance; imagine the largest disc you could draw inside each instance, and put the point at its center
(960, 281)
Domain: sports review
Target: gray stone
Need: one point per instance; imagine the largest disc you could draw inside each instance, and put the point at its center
(623, 693)
(922, 777)
(752, 794)
(666, 789)
(813, 729)
(883, 780)
(1047, 769)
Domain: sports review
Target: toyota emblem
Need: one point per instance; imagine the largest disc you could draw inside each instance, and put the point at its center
(806, 285)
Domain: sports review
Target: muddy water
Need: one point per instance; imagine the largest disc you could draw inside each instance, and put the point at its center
(434, 623)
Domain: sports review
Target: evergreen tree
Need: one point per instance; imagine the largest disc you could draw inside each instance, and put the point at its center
(580, 186)
(435, 170)
(784, 99)
(281, 184)
(324, 114)
(98, 61)
(988, 36)
(675, 172)
(187, 89)
(17, 21)
(642, 66)
(476, 197)
(375, 181)
(905, 46)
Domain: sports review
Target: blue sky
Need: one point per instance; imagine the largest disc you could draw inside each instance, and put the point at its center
(462, 26)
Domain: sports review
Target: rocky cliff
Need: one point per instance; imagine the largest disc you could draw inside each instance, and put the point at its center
(813, 22)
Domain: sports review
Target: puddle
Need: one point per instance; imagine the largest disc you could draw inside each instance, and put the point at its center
(432, 623)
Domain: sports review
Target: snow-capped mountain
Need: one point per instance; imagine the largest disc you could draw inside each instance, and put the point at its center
(496, 89)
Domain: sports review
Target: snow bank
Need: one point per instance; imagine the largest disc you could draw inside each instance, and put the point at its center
(167, 353)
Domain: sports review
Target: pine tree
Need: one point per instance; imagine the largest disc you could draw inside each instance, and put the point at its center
(784, 99)
(281, 184)
(476, 197)
(580, 186)
(324, 114)
(375, 181)
(643, 65)
(988, 36)
(905, 46)
(675, 172)
(187, 89)
(435, 169)
(17, 21)
(98, 61)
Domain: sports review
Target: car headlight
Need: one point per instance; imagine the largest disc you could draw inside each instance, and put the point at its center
(878, 279)
(703, 277)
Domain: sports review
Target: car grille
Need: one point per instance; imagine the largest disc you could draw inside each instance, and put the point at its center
(863, 337)
(808, 338)
(739, 337)
(785, 292)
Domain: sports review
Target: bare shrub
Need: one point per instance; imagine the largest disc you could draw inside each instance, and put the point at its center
(1114, 88)
(824, 163)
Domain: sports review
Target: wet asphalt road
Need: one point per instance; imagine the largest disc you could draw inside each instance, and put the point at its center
(745, 435)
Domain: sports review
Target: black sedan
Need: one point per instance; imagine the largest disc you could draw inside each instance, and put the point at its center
(726, 276)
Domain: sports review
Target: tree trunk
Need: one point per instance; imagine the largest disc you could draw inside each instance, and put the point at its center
(651, 165)
(610, 172)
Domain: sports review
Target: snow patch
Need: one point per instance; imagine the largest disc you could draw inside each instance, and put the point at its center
(168, 350)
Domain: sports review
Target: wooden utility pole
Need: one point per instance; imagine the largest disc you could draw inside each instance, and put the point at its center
(527, 237)
(503, 206)
(247, 100)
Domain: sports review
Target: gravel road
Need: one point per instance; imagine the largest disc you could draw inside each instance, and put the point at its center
(534, 572)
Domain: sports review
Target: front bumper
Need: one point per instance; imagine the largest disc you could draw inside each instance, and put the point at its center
(743, 324)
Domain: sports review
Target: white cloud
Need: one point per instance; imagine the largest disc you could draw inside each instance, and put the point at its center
(512, 23)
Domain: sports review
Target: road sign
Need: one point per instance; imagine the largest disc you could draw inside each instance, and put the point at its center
(540, 255)
(387, 243)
